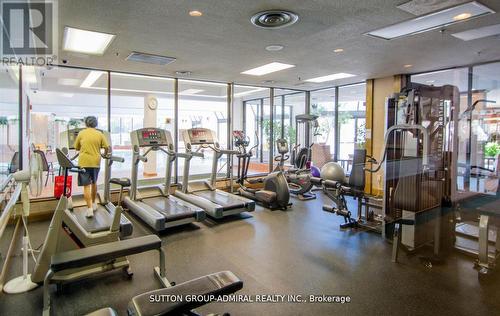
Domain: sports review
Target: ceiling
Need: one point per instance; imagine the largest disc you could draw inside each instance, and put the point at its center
(222, 43)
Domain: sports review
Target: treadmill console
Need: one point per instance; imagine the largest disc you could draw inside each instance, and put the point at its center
(199, 136)
(282, 146)
(152, 137)
(67, 138)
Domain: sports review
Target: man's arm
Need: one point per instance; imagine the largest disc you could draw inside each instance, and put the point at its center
(105, 145)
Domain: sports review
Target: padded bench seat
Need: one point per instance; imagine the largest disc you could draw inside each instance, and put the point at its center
(220, 283)
(102, 253)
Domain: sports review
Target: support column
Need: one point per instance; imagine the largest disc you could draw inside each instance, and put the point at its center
(150, 114)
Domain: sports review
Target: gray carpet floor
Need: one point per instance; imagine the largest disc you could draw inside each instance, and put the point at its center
(301, 251)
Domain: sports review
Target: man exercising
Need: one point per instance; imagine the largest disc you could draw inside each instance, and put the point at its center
(89, 143)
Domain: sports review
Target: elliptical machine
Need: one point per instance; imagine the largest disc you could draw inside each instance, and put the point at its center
(275, 194)
(299, 175)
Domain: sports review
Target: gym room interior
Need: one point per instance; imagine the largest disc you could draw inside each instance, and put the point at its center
(231, 157)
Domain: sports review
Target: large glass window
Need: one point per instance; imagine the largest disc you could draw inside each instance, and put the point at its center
(203, 104)
(352, 120)
(60, 98)
(131, 99)
(251, 101)
(323, 105)
(9, 120)
(484, 142)
(459, 78)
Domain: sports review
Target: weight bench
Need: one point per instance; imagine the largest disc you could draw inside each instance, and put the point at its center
(108, 252)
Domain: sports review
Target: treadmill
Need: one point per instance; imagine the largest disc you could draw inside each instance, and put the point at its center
(154, 205)
(216, 203)
(74, 215)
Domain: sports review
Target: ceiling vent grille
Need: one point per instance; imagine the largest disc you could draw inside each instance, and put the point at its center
(274, 19)
(150, 58)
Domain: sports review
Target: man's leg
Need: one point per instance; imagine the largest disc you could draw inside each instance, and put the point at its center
(94, 192)
(87, 195)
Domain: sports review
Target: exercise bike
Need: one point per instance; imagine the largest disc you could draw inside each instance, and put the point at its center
(275, 194)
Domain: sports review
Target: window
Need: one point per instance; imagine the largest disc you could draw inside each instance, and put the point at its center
(203, 104)
(130, 110)
(485, 123)
(251, 99)
(459, 78)
(60, 98)
(352, 119)
(9, 119)
(323, 105)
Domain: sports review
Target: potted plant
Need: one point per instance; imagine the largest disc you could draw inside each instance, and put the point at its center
(491, 149)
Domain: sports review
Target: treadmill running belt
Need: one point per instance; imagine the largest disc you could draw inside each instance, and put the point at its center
(224, 200)
(172, 210)
(100, 222)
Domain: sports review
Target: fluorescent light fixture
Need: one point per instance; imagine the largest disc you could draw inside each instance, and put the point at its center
(203, 83)
(191, 91)
(29, 74)
(92, 77)
(68, 82)
(481, 32)
(332, 77)
(433, 20)
(120, 74)
(240, 94)
(338, 50)
(267, 69)
(86, 42)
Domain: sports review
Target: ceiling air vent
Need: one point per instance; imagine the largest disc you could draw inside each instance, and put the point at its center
(274, 19)
(150, 58)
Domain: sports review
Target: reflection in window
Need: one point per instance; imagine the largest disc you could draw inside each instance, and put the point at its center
(352, 119)
(131, 99)
(203, 104)
(9, 120)
(323, 105)
(60, 98)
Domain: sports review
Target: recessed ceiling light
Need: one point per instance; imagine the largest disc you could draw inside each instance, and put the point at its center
(408, 66)
(274, 48)
(481, 32)
(338, 50)
(195, 13)
(430, 81)
(268, 81)
(433, 20)
(332, 77)
(267, 69)
(462, 16)
(87, 42)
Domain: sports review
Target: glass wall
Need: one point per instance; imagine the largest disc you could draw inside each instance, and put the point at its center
(485, 123)
(60, 98)
(323, 105)
(203, 104)
(132, 97)
(352, 120)
(257, 109)
(9, 120)
(252, 103)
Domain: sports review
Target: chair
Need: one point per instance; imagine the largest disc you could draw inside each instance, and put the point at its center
(46, 166)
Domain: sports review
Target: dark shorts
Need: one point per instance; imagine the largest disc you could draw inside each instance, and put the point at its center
(88, 177)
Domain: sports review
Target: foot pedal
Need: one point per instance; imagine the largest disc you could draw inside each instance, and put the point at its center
(329, 209)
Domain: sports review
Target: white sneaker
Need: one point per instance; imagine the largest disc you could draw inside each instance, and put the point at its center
(94, 206)
(90, 212)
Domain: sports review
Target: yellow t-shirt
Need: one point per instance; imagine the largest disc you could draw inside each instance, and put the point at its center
(89, 143)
